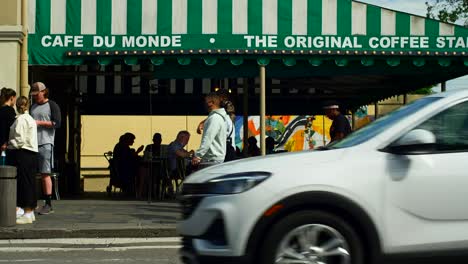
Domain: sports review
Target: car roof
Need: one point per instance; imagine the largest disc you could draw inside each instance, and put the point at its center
(460, 93)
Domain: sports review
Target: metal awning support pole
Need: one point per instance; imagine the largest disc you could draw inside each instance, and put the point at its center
(245, 95)
(443, 87)
(376, 105)
(262, 109)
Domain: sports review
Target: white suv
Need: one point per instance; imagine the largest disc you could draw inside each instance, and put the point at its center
(396, 189)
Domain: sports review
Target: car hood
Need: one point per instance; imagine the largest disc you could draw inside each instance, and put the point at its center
(271, 163)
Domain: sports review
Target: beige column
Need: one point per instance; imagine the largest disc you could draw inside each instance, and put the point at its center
(11, 37)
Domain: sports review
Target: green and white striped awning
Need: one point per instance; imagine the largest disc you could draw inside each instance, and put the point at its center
(65, 32)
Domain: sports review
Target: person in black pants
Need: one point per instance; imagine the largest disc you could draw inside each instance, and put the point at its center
(7, 115)
(23, 147)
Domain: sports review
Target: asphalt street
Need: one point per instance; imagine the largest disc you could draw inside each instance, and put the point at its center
(109, 250)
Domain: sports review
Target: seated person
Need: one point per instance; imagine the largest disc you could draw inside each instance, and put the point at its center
(156, 149)
(176, 151)
(126, 161)
(252, 149)
(270, 145)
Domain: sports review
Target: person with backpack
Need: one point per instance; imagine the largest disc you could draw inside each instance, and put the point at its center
(228, 106)
(212, 149)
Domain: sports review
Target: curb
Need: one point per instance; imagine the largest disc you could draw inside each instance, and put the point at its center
(15, 233)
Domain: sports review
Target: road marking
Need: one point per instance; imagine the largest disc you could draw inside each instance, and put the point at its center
(92, 241)
(22, 260)
(57, 249)
(83, 260)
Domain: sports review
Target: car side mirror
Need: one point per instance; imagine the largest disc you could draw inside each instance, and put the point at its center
(417, 141)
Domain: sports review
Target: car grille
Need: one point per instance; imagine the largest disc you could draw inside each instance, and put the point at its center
(189, 204)
(191, 196)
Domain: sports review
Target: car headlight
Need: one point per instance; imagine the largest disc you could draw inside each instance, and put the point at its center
(227, 184)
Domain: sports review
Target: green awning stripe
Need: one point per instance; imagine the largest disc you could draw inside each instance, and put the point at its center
(432, 28)
(403, 24)
(255, 17)
(134, 10)
(73, 17)
(194, 19)
(103, 22)
(374, 17)
(460, 31)
(285, 17)
(165, 17)
(344, 22)
(314, 18)
(224, 17)
(43, 16)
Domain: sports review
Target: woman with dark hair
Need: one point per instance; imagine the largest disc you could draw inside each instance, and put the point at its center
(23, 145)
(7, 115)
(126, 161)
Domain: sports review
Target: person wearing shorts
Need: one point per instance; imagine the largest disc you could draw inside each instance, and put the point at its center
(48, 118)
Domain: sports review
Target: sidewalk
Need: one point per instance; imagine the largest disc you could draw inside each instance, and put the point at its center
(92, 218)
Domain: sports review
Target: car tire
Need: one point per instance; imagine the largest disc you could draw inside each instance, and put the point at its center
(312, 236)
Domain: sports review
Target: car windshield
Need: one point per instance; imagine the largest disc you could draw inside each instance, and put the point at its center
(379, 125)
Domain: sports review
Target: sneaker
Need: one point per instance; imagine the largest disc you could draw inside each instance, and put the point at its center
(46, 209)
(24, 220)
(19, 213)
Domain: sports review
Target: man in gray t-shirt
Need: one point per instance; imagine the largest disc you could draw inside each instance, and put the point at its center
(48, 117)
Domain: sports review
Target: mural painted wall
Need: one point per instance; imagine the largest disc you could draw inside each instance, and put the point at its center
(295, 133)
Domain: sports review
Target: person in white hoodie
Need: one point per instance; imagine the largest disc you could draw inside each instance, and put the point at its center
(23, 145)
(213, 144)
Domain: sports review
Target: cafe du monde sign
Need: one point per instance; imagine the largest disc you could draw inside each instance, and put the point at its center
(252, 42)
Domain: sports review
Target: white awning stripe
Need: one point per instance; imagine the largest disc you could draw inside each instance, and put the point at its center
(179, 16)
(58, 15)
(210, 16)
(88, 10)
(388, 25)
(239, 17)
(329, 17)
(119, 17)
(299, 17)
(359, 19)
(446, 29)
(32, 16)
(270, 17)
(149, 17)
(418, 26)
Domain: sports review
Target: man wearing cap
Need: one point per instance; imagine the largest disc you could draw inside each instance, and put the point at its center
(340, 127)
(48, 117)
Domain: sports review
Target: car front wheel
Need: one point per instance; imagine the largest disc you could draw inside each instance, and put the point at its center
(312, 237)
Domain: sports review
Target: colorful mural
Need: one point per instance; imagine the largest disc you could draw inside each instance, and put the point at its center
(295, 133)
(291, 133)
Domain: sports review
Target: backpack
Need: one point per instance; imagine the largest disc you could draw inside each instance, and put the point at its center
(230, 151)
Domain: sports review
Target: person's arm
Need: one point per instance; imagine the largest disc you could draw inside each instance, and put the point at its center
(200, 126)
(55, 119)
(182, 153)
(18, 140)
